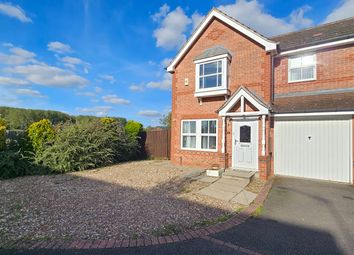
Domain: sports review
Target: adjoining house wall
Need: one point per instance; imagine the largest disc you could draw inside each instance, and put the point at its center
(250, 66)
(334, 70)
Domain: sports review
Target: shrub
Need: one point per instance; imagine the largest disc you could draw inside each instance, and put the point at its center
(11, 164)
(133, 128)
(3, 122)
(40, 133)
(84, 146)
(107, 120)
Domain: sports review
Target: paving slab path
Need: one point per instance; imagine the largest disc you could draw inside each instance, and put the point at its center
(231, 190)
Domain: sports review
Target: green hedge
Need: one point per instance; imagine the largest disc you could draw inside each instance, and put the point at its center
(45, 149)
(84, 146)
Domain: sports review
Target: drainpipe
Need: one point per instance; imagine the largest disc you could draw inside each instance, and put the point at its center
(272, 80)
(223, 135)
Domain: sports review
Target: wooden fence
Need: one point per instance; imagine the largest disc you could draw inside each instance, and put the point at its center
(158, 143)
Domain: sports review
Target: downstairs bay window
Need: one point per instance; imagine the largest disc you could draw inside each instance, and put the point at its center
(199, 135)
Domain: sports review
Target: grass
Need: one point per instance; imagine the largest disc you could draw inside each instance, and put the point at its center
(44, 238)
(258, 211)
(171, 229)
(209, 222)
(135, 236)
(16, 210)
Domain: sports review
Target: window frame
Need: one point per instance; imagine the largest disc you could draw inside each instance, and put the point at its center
(314, 65)
(224, 73)
(199, 134)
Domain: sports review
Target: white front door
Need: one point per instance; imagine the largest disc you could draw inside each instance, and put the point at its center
(245, 145)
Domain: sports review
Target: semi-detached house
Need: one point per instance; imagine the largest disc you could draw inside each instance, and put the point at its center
(280, 106)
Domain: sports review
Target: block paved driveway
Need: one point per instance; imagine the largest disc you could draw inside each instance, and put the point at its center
(299, 217)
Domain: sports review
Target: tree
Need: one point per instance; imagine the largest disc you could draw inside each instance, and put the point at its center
(166, 120)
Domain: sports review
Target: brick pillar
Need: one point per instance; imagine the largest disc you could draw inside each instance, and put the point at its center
(264, 167)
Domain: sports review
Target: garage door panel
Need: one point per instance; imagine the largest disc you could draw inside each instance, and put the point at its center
(313, 148)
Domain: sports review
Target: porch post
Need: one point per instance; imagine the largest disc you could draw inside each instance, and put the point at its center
(223, 135)
(263, 135)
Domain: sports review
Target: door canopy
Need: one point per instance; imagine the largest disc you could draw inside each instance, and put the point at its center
(242, 98)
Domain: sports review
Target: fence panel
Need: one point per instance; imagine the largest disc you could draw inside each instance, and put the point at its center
(158, 142)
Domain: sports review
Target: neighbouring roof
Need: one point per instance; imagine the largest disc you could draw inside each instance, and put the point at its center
(252, 94)
(315, 103)
(339, 30)
(212, 52)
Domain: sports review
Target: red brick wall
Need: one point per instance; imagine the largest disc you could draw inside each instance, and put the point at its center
(250, 67)
(335, 69)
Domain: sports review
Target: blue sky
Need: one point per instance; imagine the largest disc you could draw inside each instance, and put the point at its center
(107, 58)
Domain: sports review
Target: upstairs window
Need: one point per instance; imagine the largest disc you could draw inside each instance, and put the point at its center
(211, 75)
(302, 68)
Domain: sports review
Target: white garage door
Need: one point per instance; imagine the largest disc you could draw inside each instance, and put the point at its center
(313, 148)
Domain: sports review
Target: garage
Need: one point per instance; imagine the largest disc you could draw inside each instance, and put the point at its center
(313, 147)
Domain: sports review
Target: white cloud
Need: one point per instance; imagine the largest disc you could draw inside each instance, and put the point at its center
(345, 10)
(12, 81)
(98, 89)
(86, 94)
(14, 12)
(96, 110)
(297, 17)
(164, 9)
(166, 62)
(164, 84)
(107, 77)
(29, 92)
(136, 88)
(196, 19)
(17, 56)
(46, 75)
(172, 27)
(72, 62)
(59, 47)
(253, 14)
(114, 99)
(150, 113)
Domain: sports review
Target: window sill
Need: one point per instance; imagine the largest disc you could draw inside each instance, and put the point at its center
(199, 150)
(302, 80)
(212, 93)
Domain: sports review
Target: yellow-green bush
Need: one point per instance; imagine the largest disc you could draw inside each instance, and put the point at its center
(2, 137)
(40, 133)
(107, 120)
(133, 128)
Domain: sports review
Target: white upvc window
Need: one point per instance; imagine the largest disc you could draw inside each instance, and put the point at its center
(211, 74)
(302, 68)
(199, 134)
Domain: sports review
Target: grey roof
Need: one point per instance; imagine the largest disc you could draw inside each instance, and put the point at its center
(315, 103)
(212, 52)
(339, 30)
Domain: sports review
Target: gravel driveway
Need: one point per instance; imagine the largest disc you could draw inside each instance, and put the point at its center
(125, 200)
